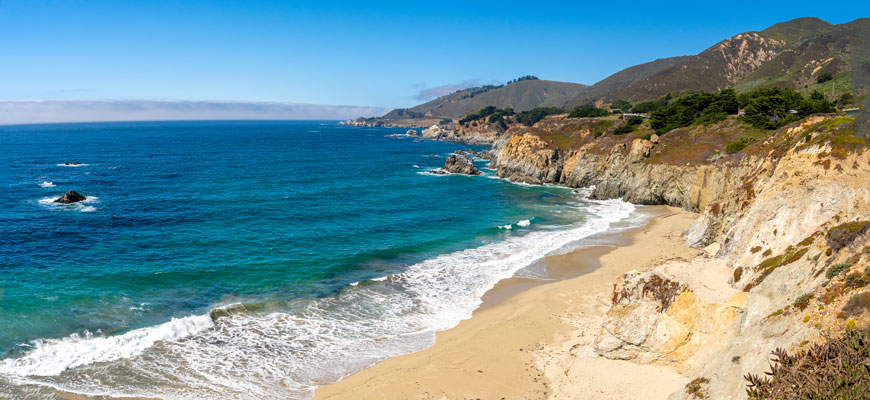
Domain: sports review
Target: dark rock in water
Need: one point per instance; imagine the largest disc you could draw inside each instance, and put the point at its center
(459, 163)
(70, 197)
(438, 172)
(72, 164)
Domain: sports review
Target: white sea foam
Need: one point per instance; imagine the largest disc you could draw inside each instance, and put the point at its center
(524, 223)
(508, 226)
(88, 209)
(46, 184)
(354, 284)
(285, 355)
(53, 356)
(72, 165)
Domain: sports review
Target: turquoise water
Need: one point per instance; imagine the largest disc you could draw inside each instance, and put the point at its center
(248, 259)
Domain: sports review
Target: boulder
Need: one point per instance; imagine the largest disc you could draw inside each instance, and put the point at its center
(70, 197)
(412, 133)
(434, 132)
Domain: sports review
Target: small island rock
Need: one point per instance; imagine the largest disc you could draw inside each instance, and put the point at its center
(459, 163)
(70, 197)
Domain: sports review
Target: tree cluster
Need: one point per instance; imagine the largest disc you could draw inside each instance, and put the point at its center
(496, 115)
(588, 111)
(524, 78)
(771, 108)
(529, 118)
(694, 109)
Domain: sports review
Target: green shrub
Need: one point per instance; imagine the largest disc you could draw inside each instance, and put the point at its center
(646, 136)
(803, 301)
(824, 77)
(738, 145)
(836, 270)
(836, 369)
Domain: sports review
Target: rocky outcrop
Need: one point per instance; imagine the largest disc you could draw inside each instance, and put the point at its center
(70, 197)
(458, 163)
(412, 133)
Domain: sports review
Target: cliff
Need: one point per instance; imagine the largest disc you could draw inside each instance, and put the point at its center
(784, 262)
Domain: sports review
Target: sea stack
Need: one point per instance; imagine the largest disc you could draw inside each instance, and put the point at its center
(459, 163)
(70, 197)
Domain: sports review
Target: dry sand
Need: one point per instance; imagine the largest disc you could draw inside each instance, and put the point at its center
(534, 344)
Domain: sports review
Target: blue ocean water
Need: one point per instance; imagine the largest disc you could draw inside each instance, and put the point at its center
(248, 259)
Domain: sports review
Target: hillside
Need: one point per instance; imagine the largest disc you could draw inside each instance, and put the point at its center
(790, 54)
(521, 96)
(804, 54)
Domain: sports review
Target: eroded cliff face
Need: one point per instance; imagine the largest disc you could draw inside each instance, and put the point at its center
(770, 274)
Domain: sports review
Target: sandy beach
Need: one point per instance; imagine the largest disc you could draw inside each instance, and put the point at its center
(533, 341)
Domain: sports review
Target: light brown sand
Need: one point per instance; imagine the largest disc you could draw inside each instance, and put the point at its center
(535, 344)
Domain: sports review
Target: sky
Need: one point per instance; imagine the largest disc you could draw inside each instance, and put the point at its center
(380, 55)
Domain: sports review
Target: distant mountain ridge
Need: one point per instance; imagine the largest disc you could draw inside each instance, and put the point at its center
(791, 54)
(520, 95)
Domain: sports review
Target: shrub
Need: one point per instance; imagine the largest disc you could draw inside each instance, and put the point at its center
(695, 388)
(836, 270)
(842, 235)
(738, 145)
(836, 369)
(646, 136)
(623, 129)
(803, 301)
(824, 77)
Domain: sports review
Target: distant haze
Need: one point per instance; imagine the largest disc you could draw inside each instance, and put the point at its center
(51, 111)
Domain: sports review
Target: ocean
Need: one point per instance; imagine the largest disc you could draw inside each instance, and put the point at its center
(250, 259)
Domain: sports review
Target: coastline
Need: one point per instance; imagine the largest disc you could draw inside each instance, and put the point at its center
(532, 340)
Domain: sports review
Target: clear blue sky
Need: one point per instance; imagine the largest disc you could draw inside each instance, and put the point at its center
(351, 53)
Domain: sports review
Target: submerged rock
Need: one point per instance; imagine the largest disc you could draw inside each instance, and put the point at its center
(459, 163)
(70, 197)
(72, 164)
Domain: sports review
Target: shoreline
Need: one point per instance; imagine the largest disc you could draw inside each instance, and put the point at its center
(531, 338)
